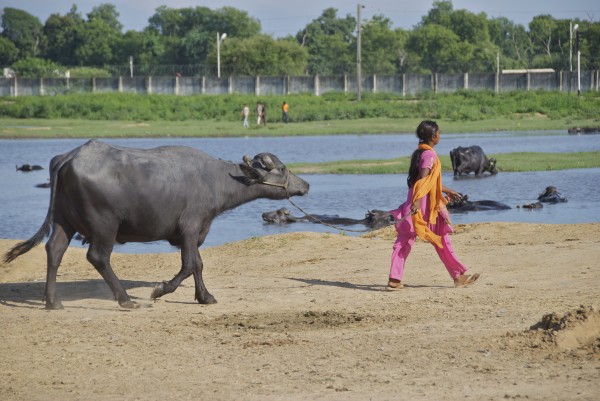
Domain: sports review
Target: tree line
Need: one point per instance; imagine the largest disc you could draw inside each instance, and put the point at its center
(184, 41)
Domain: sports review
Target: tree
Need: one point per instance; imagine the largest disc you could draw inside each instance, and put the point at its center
(61, 35)
(97, 42)
(261, 55)
(8, 52)
(32, 67)
(541, 30)
(107, 13)
(469, 27)
(438, 49)
(145, 47)
(512, 42)
(440, 14)
(592, 38)
(330, 42)
(189, 34)
(382, 48)
(23, 29)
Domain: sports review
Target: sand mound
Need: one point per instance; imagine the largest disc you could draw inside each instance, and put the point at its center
(575, 330)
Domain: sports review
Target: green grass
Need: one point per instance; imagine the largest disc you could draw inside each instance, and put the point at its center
(75, 128)
(507, 162)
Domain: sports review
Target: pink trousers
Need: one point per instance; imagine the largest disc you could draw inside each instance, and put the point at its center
(406, 239)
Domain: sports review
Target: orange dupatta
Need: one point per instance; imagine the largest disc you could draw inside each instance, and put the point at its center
(432, 186)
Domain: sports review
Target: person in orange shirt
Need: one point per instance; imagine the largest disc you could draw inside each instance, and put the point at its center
(284, 112)
(424, 213)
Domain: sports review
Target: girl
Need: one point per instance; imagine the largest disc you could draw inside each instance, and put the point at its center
(427, 216)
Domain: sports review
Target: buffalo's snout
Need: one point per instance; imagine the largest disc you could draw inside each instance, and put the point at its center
(298, 187)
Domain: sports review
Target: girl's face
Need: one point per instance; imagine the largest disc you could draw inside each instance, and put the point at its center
(436, 139)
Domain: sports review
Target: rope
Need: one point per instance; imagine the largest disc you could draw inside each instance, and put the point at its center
(315, 219)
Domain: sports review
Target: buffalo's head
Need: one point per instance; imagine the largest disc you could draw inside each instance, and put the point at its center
(277, 216)
(492, 166)
(378, 218)
(268, 170)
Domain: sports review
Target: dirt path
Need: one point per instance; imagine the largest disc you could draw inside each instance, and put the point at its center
(304, 316)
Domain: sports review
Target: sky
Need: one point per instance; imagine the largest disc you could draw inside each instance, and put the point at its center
(280, 18)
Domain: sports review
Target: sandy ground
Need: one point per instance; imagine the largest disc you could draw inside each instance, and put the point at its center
(305, 316)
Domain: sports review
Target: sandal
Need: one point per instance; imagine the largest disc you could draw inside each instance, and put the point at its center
(394, 286)
(465, 280)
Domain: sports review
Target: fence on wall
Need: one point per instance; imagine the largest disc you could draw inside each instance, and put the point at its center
(405, 85)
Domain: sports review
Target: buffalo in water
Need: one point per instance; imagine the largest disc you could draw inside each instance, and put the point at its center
(373, 218)
(463, 204)
(114, 194)
(549, 195)
(28, 167)
(471, 159)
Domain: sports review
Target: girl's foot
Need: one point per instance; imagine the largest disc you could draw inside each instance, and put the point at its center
(464, 280)
(394, 285)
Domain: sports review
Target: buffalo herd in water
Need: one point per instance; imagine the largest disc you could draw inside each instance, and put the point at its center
(465, 160)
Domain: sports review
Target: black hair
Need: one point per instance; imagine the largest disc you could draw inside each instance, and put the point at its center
(425, 132)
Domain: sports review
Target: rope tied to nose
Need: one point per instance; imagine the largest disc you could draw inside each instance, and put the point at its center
(317, 220)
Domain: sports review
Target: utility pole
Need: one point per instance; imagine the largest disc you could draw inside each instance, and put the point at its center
(220, 38)
(577, 43)
(571, 45)
(358, 50)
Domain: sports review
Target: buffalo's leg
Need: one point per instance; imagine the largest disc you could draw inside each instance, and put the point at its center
(190, 263)
(202, 294)
(55, 249)
(187, 267)
(99, 256)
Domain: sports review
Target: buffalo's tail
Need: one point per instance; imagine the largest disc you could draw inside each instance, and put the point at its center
(25, 246)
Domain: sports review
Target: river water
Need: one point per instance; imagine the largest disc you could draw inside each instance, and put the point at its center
(23, 206)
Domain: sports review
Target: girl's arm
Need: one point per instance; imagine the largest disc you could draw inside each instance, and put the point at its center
(414, 208)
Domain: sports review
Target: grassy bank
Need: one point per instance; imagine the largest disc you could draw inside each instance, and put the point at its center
(75, 128)
(130, 115)
(507, 162)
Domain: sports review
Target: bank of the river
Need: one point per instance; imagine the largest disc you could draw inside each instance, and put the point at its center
(511, 162)
(11, 128)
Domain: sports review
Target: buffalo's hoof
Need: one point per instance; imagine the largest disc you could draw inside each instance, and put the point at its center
(56, 305)
(129, 304)
(207, 300)
(158, 291)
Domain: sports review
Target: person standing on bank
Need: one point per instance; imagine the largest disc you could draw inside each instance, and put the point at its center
(264, 114)
(426, 213)
(259, 111)
(246, 114)
(284, 112)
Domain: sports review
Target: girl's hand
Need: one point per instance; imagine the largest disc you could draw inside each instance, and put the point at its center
(451, 193)
(415, 207)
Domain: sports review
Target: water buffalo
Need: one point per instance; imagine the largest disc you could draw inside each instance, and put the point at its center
(533, 205)
(43, 184)
(551, 195)
(471, 159)
(463, 204)
(372, 219)
(28, 167)
(114, 194)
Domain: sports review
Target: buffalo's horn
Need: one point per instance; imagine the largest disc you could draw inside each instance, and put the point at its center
(269, 165)
(247, 160)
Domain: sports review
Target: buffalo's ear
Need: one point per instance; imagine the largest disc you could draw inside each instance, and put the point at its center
(252, 175)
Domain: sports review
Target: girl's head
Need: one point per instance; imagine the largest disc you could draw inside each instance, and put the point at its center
(427, 131)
